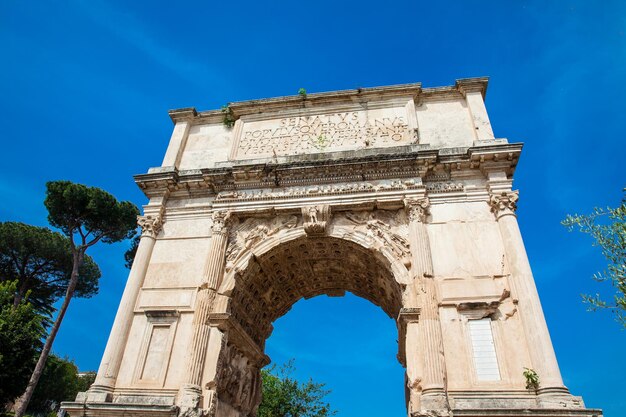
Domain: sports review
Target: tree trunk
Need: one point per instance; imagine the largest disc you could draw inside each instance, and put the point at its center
(22, 403)
(21, 292)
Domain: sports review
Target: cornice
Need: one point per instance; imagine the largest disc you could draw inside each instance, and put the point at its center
(413, 161)
(332, 98)
(470, 85)
(183, 115)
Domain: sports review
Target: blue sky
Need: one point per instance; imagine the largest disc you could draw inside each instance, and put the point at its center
(85, 87)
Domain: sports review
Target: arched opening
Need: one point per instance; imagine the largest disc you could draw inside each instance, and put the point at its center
(349, 344)
(301, 268)
(304, 268)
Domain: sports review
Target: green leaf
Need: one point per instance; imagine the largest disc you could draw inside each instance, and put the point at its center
(607, 227)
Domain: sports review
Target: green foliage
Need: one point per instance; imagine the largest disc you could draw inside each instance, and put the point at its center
(87, 215)
(320, 142)
(89, 212)
(532, 379)
(302, 92)
(21, 331)
(283, 396)
(59, 382)
(608, 229)
(41, 261)
(129, 255)
(228, 117)
(85, 380)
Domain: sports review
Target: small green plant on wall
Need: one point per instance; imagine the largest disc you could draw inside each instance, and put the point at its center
(320, 142)
(532, 379)
(302, 93)
(228, 116)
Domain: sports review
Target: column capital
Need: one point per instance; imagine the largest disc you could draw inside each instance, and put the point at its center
(504, 203)
(151, 224)
(221, 221)
(417, 208)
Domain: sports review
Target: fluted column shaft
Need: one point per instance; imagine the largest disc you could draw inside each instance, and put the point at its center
(213, 272)
(429, 328)
(114, 351)
(524, 289)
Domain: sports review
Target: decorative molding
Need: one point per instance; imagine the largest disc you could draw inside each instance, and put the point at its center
(316, 219)
(504, 203)
(444, 187)
(402, 164)
(417, 208)
(409, 315)
(405, 316)
(318, 190)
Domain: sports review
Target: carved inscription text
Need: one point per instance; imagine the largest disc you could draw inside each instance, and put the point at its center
(336, 131)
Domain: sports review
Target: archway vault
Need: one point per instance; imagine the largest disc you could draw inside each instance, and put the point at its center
(305, 267)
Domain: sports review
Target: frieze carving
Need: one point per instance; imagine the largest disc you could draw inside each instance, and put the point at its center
(444, 187)
(245, 234)
(417, 208)
(238, 380)
(221, 220)
(150, 224)
(504, 203)
(316, 219)
(356, 187)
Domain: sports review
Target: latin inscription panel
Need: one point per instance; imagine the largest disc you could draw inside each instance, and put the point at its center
(330, 132)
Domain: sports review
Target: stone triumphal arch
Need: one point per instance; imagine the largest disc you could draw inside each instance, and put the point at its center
(401, 195)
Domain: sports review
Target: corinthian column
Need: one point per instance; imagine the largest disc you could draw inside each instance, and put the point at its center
(428, 328)
(191, 392)
(503, 205)
(112, 358)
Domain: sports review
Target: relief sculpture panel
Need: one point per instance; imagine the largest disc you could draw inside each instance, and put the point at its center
(245, 233)
(238, 380)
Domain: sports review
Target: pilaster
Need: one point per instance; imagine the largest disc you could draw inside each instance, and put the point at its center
(190, 397)
(182, 119)
(427, 330)
(503, 204)
(151, 225)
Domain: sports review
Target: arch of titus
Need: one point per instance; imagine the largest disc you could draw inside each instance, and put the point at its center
(401, 195)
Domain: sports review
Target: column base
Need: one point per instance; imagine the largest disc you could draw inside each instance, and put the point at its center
(433, 404)
(558, 397)
(527, 412)
(96, 394)
(518, 403)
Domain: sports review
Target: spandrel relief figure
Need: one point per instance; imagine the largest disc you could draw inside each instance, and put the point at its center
(248, 233)
(382, 232)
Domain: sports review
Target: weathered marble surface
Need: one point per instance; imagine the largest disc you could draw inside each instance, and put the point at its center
(401, 195)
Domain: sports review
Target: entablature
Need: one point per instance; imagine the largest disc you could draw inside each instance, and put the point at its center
(392, 168)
